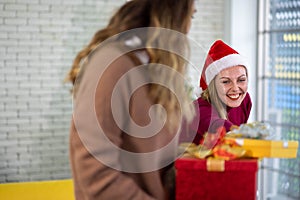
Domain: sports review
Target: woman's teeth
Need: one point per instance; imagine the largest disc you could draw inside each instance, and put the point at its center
(233, 96)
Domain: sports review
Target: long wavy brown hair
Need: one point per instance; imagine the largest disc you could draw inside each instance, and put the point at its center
(169, 14)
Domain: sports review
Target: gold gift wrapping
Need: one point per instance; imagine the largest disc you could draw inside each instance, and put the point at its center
(215, 165)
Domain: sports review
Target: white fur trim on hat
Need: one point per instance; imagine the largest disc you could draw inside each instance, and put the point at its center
(228, 61)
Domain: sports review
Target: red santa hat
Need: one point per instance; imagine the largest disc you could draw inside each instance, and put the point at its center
(220, 56)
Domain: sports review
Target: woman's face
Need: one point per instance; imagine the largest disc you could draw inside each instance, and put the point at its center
(232, 85)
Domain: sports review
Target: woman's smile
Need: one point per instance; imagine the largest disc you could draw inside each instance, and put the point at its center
(234, 97)
(232, 85)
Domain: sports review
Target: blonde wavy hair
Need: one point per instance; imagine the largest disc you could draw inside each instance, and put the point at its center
(211, 95)
(169, 14)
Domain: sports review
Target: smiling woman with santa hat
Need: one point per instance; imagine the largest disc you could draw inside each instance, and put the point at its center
(224, 100)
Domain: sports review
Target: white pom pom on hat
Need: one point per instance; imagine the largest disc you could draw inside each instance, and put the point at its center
(219, 57)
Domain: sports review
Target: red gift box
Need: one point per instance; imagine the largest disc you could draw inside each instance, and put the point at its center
(213, 179)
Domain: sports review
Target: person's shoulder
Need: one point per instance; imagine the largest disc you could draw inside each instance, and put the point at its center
(247, 102)
(201, 102)
(114, 54)
(248, 96)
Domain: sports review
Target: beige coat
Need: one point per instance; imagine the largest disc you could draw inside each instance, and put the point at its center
(101, 167)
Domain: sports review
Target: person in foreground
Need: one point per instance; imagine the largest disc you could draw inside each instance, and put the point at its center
(224, 100)
(121, 140)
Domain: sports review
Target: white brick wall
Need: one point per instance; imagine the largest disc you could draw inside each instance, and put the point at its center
(208, 25)
(38, 41)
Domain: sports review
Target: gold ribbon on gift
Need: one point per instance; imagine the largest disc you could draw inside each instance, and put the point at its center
(193, 150)
(215, 165)
(226, 150)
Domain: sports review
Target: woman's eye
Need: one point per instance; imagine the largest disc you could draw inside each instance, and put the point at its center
(242, 80)
(225, 82)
